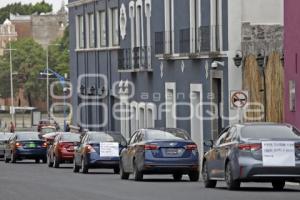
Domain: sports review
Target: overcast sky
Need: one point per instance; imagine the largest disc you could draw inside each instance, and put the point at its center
(56, 3)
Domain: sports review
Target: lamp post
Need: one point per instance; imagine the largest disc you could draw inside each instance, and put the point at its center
(47, 71)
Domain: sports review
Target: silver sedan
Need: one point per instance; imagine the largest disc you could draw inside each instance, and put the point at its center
(254, 152)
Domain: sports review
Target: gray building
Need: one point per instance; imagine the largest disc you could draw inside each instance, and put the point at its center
(150, 63)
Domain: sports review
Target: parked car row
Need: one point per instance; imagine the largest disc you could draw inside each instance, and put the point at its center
(256, 152)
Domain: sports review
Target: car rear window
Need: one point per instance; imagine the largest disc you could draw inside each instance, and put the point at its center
(28, 136)
(70, 137)
(5, 136)
(164, 135)
(270, 132)
(48, 130)
(107, 137)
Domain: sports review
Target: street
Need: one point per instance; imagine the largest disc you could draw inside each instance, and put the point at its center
(27, 181)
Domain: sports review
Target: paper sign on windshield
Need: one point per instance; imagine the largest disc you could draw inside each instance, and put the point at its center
(109, 149)
(278, 154)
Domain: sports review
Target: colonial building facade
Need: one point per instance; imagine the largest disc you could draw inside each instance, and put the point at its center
(164, 62)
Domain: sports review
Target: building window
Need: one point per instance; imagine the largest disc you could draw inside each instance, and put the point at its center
(102, 29)
(114, 27)
(170, 95)
(292, 93)
(91, 30)
(80, 31)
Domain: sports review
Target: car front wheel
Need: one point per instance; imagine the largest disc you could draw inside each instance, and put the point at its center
(194, 176)
(231, 183)
(177, 177)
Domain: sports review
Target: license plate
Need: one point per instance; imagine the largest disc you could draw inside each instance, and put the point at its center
(172, 151)
(31, 145)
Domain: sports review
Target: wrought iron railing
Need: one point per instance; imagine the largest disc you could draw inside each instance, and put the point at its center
(137, 58)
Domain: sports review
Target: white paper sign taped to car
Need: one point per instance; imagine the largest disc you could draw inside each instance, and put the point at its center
(278, 154)
(109, 149)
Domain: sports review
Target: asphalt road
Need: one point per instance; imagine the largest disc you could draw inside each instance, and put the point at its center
(29, 181)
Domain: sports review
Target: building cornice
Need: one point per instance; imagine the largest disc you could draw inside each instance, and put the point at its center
(79, 3)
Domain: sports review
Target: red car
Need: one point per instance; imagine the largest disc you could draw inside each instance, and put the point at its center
(62, 149)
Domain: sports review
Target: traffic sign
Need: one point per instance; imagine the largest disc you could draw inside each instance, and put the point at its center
(239, 99)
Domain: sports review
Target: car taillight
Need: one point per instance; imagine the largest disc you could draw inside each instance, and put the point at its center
(249, 147)
(44, 144)
(191, 147)
(151, 147)
(18, 144)
(89, 149)
(297, 146)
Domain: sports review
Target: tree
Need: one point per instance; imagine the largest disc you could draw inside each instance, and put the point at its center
(24, 9)
(28, 61)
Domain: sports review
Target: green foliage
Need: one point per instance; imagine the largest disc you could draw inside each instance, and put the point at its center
(24, 9)
(29, 60)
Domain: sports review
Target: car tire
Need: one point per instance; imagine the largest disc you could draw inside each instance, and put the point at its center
(84, 167)
(278, 185)
(55, 162)
(50, 164)
(76, 168)
(45, 160)
(137, 174)
(123, 174)
(194, 176)
(13, 158)
(206, 179)
(37, 161)
(117, 170)
(177, 177)
(230, 182)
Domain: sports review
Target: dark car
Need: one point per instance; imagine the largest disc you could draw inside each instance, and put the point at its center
(62, 150)
(26, 145)
(4, 137)
(44, 122)
(99, 150)
(258, 152)
(152, 151)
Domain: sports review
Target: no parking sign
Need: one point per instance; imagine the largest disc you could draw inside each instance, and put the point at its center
(239, 99)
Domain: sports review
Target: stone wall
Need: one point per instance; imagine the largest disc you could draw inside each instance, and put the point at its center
(47, 28)
(256, 38)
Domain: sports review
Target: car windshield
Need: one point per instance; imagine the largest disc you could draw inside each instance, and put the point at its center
(163, 135)
(70, 137)
(107, 137)
(48, 130)
(270, 132)
(5, 136)
(28, 136)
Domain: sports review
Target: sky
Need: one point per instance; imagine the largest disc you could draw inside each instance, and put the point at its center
(56, 3)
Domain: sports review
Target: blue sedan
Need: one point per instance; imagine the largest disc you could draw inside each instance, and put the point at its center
(152, 151)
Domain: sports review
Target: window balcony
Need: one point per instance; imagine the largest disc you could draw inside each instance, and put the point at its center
(134, 60)
(200, 41)
(164, 43)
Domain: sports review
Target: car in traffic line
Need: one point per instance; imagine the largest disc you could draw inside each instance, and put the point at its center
(47, 129)
(62, 149)
(26, 145)
(157, 151)
(99, 150)
(4, 137)
(253, 152)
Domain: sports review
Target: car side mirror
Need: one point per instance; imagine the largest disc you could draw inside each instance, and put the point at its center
(209, 143)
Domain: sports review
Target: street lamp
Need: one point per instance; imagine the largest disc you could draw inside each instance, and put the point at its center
(260, 59)
(238, 59)
(47, 71)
